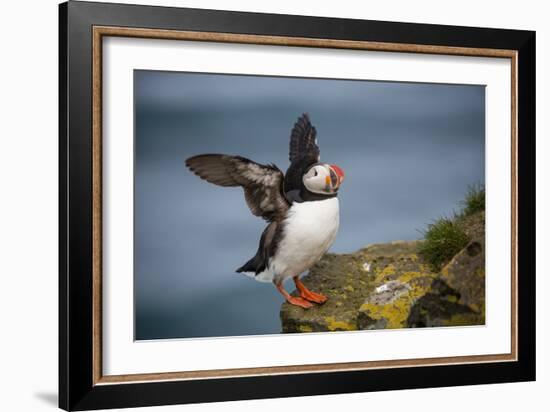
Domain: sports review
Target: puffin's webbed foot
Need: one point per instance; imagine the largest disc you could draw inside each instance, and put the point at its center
(307, 294)
(293, 300)
(313, 297)
(303, 303)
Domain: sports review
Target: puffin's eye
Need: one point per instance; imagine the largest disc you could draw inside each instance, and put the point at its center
(315, 171)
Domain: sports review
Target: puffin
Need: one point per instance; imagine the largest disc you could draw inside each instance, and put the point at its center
(300, 207)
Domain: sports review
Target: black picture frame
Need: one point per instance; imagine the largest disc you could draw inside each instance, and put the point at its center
(77, 390)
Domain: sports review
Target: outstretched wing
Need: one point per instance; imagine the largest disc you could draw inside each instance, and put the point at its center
(262, 184)
(303, 142)
(303, 152)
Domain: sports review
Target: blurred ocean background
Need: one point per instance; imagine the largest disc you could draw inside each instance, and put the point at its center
(409, 152)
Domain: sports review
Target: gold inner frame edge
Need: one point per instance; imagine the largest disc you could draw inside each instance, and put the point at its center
(101, 31)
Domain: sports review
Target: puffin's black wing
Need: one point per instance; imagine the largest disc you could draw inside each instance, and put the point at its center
(262, 184)
(303, 143)
(303, 152)
(266, 250)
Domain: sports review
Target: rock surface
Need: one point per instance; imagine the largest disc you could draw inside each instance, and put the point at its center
(387, 286)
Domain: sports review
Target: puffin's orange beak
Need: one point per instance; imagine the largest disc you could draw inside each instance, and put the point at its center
(339, 172)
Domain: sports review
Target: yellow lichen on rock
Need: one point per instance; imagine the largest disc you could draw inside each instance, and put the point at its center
(408, 276)
(305, 328)
(395, 312)
(382, 274)
(333, 324)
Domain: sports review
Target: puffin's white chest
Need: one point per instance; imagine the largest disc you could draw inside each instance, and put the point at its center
(309, 231)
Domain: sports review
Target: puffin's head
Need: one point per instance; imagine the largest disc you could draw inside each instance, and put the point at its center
(324, 179)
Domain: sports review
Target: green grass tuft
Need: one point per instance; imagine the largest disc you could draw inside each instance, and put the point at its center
(443, 239)
(474, 201)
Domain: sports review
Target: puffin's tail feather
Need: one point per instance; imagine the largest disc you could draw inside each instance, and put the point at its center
(244, 268)
(254, 265)
(256, 270)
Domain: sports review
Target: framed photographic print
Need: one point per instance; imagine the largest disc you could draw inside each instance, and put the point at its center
(257, 205)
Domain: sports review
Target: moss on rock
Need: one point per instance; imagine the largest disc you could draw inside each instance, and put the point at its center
(350, 281)
(388, 286)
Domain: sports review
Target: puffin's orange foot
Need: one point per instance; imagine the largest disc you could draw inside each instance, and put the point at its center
(312, 296)
(308, 294)
(299, 302)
